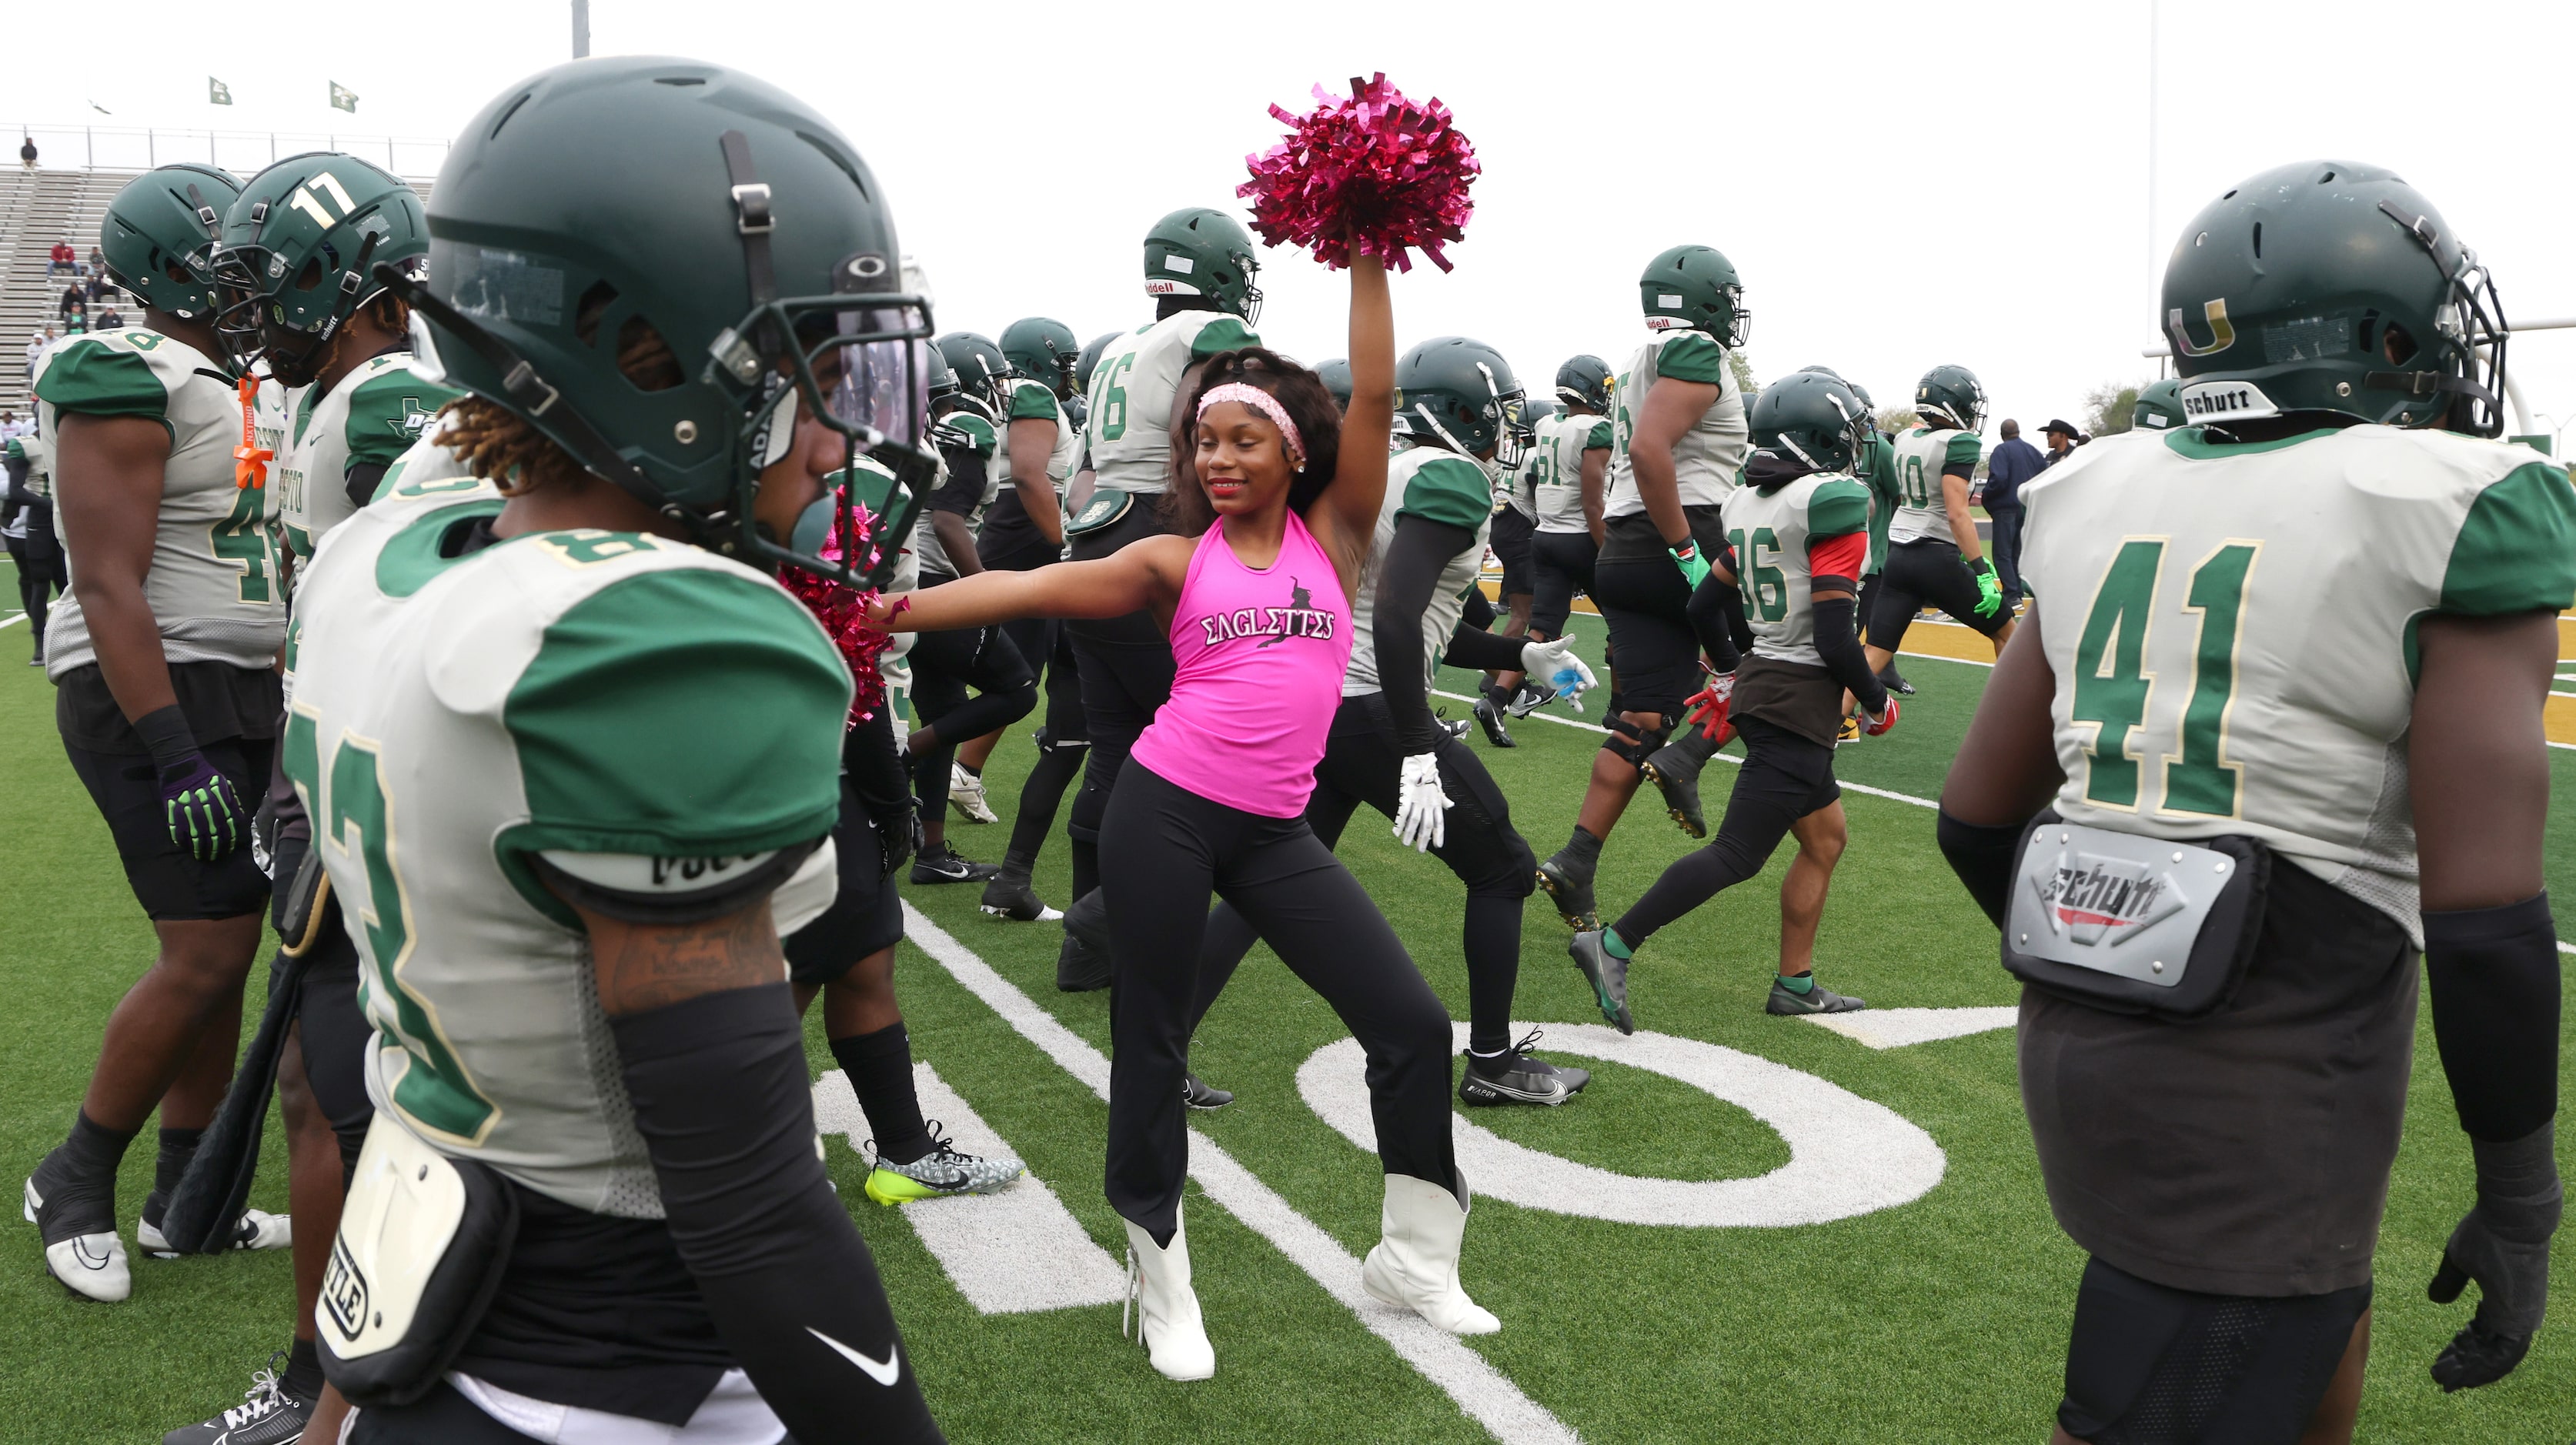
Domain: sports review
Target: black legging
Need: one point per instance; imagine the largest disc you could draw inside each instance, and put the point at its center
(1563, 561)
(1126, 673)
(944, 665)
(39, 561)
(1784, 778)
(1061, 742)
(1167, 850)
(1363, 764)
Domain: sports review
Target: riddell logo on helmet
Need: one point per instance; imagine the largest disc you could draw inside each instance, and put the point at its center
(2226, 401)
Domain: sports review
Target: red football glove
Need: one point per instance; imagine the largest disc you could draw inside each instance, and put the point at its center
(1708, 708)
(1885, 721)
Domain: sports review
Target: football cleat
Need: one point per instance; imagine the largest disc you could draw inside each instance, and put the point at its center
(1079, 967)
(256, 1229)
(267, 1415)
(1817, 1000)
(1490, 718)
(1608, 975)
(966, 795)
(1530, 699)
(1849, 732)
(1198, 1094)
(82, 1248)
(1895, 682)
(939, 1174)
(1517, 1076)
(1569, 882)
(1012, 898)
(1675, 768)
(946, 866)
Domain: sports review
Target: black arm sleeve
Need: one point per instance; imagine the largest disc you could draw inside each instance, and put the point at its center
(722, 1099)
(362, 480)
(1982, 855)
(2493, 974)
(1716, 613)
(1839, 646)
(1404, 586)
(1483, 651)
(965, 489)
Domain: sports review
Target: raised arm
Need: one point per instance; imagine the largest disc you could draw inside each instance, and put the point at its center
(1348, 509)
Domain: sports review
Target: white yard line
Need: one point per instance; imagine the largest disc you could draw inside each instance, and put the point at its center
(1484, 1393)
(13, 620)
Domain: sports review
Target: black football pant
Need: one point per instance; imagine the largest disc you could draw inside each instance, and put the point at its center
(1126, 672)
(1046, 642)
(1563, 561)
(944, 665)
(1784, 778)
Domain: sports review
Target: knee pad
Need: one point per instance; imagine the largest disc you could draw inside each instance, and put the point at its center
(1631, 743)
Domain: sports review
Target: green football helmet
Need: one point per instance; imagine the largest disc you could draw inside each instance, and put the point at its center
(160, 233)
(1585, 381)
(1814, 416)
(1090, 360)
(1199, 252)
(2159, 406)
(2334, 287)
(1336, 376)
(982, 370)
(1042, 350)
(1695, 287)
(1464, 393)
(1534, 412)
(1951, 396)
(300, 249)
(606, 204)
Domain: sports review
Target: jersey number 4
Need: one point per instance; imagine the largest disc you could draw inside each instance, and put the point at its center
(2112, 682)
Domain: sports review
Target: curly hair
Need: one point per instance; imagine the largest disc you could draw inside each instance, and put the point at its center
(1300, 392)
(505, 449)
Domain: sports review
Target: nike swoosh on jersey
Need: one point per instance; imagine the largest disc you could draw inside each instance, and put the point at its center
(884, 1374)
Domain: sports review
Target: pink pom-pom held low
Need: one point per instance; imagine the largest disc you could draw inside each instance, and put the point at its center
(1374, 174)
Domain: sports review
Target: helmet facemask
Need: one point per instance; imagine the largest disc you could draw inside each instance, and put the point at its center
(2471, 323)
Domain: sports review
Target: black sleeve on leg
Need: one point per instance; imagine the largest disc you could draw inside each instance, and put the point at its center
(722, 1099)
(1716, 611)
(1405, 582)
(1982, 855)
(2493, 974)
(1840, 648)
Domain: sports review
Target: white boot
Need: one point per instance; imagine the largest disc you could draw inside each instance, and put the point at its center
(1167, 1311)
(1416, 1264)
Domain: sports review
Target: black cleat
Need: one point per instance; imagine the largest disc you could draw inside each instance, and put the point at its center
(1895, 682)
(267, 1415)
(947, 866)
(1817, 1000)
(1530, 699)
(1569, 882)
(1674, 769)
(1010, 896)
(1198, 1094)
(1517, 1076)
(1608, 975)
(1490, 718)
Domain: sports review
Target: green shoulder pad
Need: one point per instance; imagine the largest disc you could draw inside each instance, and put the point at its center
(1837, 509)
(387, 413)
(1692, 356)
(1450, 490)
(980, 436)
(1031, 401)
(89, 377)
(680, 713)
(1222, 333)
(1601, 436)
(1963, 450)
(2517, 550)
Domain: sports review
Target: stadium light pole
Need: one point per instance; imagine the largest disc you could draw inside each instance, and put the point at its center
(580, 28)
(2155, 288)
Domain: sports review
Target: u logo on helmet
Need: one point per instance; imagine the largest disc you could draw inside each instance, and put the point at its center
(2222, 333)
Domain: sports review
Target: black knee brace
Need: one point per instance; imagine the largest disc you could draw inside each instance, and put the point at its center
(1631, 743)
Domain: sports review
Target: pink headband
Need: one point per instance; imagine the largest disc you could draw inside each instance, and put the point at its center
(1264, 403)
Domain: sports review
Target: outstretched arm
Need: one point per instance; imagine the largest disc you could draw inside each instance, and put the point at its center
(1350, 502)
(1146, 573)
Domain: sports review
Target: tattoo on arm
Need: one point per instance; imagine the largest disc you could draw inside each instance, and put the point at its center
(640, 967)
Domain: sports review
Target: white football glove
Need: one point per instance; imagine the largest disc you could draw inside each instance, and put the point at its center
(1419, 804)
(1554, 665)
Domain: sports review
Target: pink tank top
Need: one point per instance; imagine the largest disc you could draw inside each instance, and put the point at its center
(1260, 657)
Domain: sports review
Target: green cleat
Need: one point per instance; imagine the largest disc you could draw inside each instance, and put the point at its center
(1608, 975)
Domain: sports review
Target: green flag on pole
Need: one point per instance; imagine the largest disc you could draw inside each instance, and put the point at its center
(218, 93)
(343, 98)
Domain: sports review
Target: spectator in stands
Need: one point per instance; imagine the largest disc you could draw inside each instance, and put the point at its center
(2014, 462)
(97, 262)
(36, 347)
(73, 301)
(27, 153)
(60, 260)
(111, 320)
(96, 287)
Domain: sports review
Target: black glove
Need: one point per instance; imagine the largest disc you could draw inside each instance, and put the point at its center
(205, 814)
(2503, 1244)
(898, 838)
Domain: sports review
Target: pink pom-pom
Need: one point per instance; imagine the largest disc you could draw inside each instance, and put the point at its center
(1376, 175)
(843, 611)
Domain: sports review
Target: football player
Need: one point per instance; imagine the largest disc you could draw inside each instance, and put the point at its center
(2159, 406)
(2216, 1107)
(1199, 268)
(945, 664)
(1515, 521)
(1933, 554)
(1386, 749)
(1797, 533)
(565, 751)
(164, 662)
(1570, 455)
(1678, 441)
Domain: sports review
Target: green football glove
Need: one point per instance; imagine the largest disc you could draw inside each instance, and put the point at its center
(1693, 565)
(1990, 588)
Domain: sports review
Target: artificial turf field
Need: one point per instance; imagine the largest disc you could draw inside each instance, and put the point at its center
(1938, 1319)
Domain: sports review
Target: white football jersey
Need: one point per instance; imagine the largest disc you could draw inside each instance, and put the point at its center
(213, 583)
(628, 707)
(2232, 627)
(1132, 387)
(1770, 532)
(371, 417)
(1557, 460)
(1035, 401)
(1709, 456)
(1921, 455)
(1432, 482)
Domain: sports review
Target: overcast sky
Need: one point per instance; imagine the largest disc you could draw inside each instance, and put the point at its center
(1899, 186)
